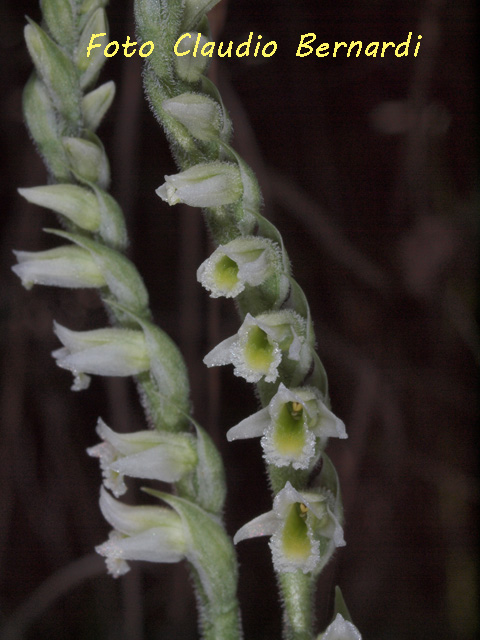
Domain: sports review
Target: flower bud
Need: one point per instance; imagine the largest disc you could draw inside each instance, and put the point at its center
(194, 10)
(58, 16)
(256, 351)
(188, 67)
(89, 67)
(60, 267)
(290, 427)
(204, 185)
(243, 261)
(155, 534)
(78, 204)
(156, 455)
(302, 526)
(88, 160)
(96, 103)
(200, 114)
(44, 126)
(104, 352)
(56, 70)
(112, 227)
(86, 8)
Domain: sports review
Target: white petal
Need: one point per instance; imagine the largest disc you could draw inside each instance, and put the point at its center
(158, 463)
(264, 525)
(295, 347)
(328, 424)
(129, 443)
(252, 427)
(104, 360)
(337, 533)
(221, 354)
(164, 194)
(254, 272)
(284, 498)
(116, 567)
(106, 454)
(153, 545)
(80, 381)
(60, 272)
(131, 520)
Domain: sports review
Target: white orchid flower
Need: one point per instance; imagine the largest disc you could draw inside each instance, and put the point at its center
(257, 349)
(290, 427)
(153, 454)
(210, 184)
(104, 352)
(155, 534)
(66, 266)
(303, 527)
(244, 261)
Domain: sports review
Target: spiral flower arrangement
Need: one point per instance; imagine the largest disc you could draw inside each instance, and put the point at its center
(274, 347)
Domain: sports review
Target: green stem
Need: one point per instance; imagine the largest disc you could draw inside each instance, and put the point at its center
(216, 624)
(297, 590)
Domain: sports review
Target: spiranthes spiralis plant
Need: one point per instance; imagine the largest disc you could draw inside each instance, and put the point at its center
(273, 347)
(63, 109)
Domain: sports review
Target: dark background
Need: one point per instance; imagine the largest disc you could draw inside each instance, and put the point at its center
(368, 167)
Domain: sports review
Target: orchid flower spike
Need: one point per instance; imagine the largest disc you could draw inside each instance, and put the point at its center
(156, 455)
(340, 629)
(245, 261)
(104, 352)
(304, 529)
(155, 534)
(291, 426)
(256, 351)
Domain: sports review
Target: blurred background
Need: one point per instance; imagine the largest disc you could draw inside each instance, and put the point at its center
(368, 168)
